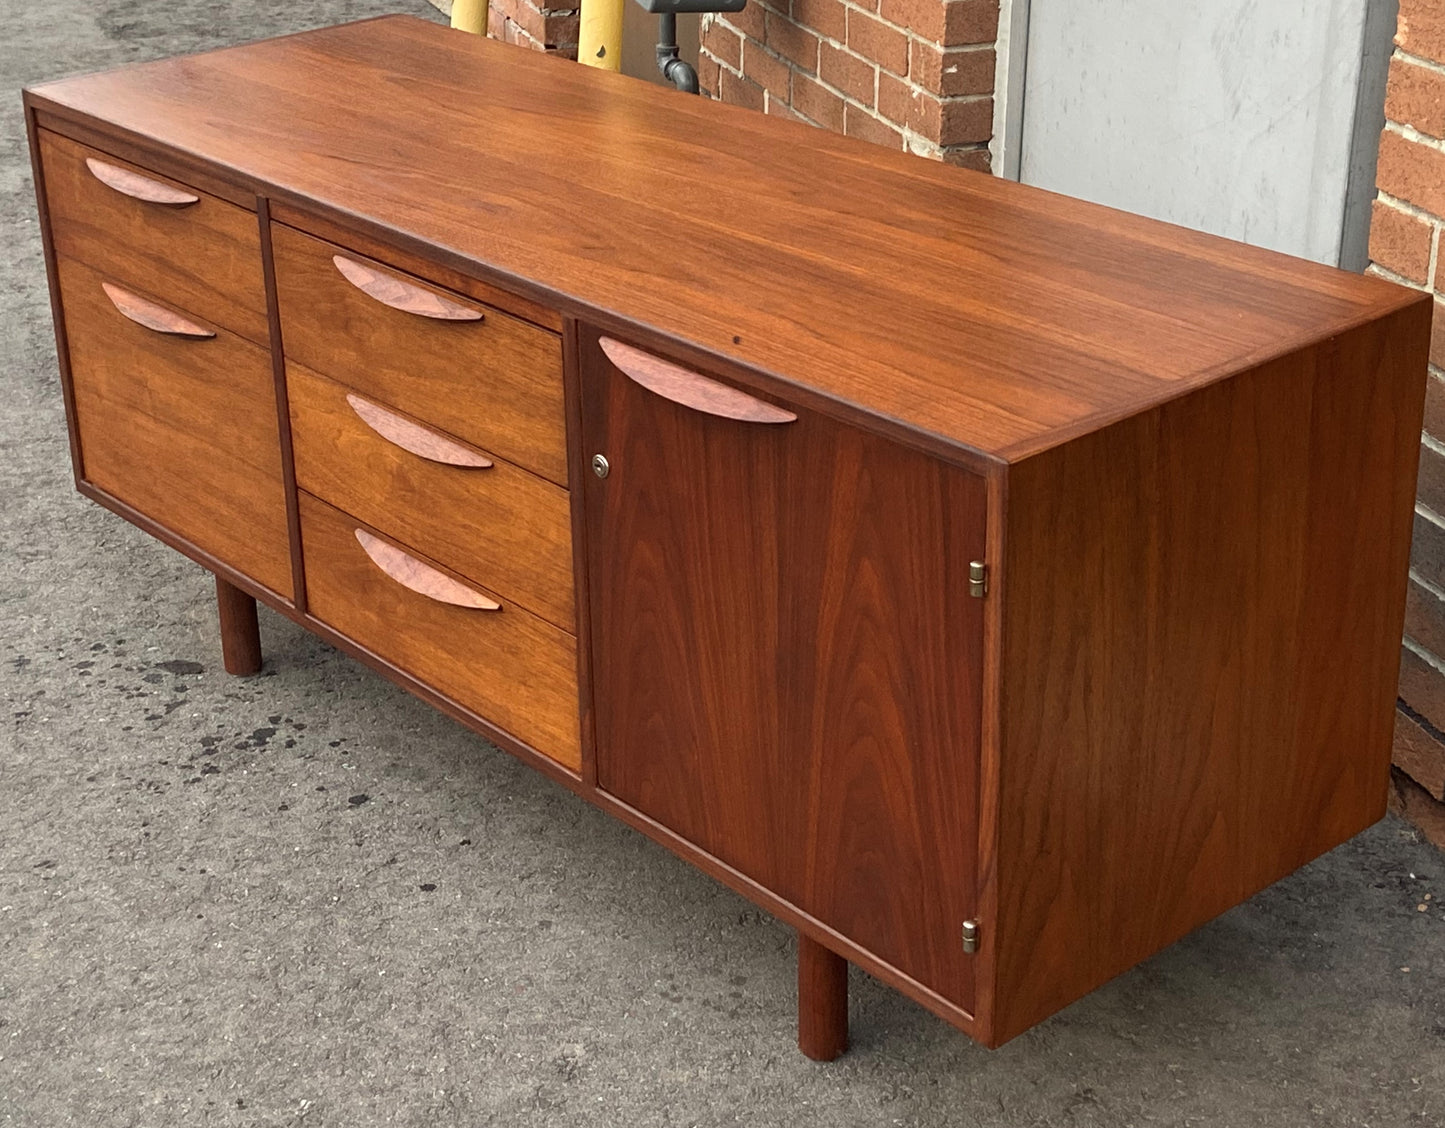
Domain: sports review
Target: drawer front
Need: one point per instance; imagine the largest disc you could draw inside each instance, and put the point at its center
(137, 228)
(183, 428)
(508, 530)
(506, 664)
(492, 379)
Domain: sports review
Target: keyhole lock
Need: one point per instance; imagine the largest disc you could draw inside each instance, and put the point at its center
(600, 466)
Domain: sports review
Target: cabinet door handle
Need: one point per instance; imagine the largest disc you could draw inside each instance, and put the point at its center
(413, 437)
(391, 291)
(139, 187)
(421, 578)
(679, 385)
(156, 318)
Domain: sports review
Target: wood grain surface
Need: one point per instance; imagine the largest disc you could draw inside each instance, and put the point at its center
(154, 317)
(139, 187)
(389, 290)
(504, 528)
(240, 629)
(985, 315)
(682, 385)
(183, 430)
(508, 666)
(204, 259)
(420, 577)
(822, 1001)
(496, 383)
(1203, 615)
(779, 675)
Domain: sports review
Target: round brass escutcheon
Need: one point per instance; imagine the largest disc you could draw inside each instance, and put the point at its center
(600, 466)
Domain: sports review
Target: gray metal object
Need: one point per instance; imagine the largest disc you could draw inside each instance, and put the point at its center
(970, 936)
(600, 466)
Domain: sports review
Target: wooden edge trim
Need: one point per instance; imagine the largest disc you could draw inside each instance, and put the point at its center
(139, 187)
(413, 437)
(421, 578)
(156, 318)
(572, 392)
(688, 388)
(407, 297)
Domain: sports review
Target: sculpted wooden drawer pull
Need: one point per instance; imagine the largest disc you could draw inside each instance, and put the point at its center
(421, 578)
(154, 317)
(392, 291)
(139, 187)
(413, 437)
(676, 383)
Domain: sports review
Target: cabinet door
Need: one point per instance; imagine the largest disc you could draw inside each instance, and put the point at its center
(787, 661)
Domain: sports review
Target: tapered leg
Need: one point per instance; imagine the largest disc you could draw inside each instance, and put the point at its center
(822, 1001)
(240, 633)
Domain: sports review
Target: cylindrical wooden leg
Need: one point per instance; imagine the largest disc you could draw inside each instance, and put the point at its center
(240, 633)
(822, 1001)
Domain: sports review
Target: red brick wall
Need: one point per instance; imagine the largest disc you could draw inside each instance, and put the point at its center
(533, 24)
(909, 74)
(1405, 245)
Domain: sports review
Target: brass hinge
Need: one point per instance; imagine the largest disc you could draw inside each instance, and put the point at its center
(977, 579)
(970, 936)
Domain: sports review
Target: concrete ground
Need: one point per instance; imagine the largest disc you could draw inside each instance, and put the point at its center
(307, 899)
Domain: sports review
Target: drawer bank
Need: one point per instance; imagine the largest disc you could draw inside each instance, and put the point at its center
(993, 586)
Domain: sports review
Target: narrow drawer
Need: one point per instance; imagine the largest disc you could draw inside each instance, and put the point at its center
(181, 427)
(503, 663)
(186, 248)
(475, 513)
(469, 369)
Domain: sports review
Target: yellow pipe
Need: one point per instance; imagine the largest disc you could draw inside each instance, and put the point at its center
(470, 15)
(599, 42)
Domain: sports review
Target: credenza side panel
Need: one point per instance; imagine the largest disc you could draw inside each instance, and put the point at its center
(787, 661)
(1202, 628)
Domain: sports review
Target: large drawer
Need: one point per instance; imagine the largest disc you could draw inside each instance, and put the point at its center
(504, 664)
(186, 248)
(508, 530)
(182, 429)
(445, 359)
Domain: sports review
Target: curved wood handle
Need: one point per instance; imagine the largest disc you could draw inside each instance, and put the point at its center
(676, 383)
(154, 317)
(139, 187)
(409, 298)
(421, 578)
(413, 437)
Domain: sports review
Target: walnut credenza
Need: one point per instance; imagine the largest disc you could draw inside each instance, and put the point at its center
(993, 586)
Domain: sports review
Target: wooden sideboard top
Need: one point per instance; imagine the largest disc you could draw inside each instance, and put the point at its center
(979, 313)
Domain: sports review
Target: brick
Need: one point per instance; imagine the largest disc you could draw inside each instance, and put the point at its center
(966, 119)
(1424, 618)
(818, 104)
(976, 157)
(496, 22)
(768, 71)
(1437, 330)
(863, 125)
(796, 44)
(1416, 806)
(1416, 96)
(751, 21)
(1419, 755)
(906, 105)
(707, 74)
(827, 17)
(1412, 171)
(970, 21)
(1427, 551)
(1422, 687)
(724, 44)
(876, 40)
(739, 91)
(951, 73)
(1421, 29)
(848, 73)
(1435, 405)
(1400, 242)
(925, 18)
(1430, 483)
(780, 109)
